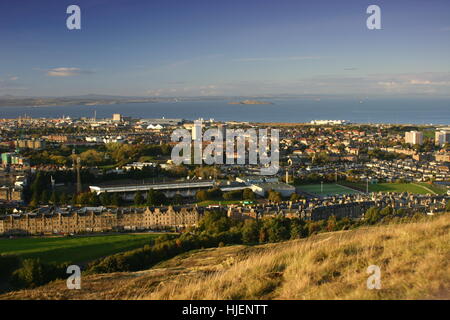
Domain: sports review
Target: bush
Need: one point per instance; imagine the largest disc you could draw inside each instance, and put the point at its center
(33, 273)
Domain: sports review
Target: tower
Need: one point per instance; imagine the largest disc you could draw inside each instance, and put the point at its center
(78, 175)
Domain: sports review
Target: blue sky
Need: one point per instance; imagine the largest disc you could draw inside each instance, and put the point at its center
(232, 47)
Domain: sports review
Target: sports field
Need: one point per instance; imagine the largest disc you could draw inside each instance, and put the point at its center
(404, 187)
(328, 189)
(73, 249)
(414, 187)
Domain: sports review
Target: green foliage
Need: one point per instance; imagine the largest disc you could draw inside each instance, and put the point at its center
(54, 198)
(33, 273)
(250, 232)
(277, 229)
(233, 195)
(210, 194)
(298, 229)
(248, 194)
(372, 215)
(116, 200)
(201, 195)
(274, 196)
(105, 199)
(156, 198)
(295, 197)
(138, 198)
(215, 222)
(88, 198)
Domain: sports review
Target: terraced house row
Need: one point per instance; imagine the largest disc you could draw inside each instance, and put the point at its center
(98, 219)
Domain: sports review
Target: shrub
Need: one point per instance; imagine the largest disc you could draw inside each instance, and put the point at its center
(33, 273)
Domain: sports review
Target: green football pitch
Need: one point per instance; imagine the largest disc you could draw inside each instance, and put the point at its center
(326, 189)
(74, 249)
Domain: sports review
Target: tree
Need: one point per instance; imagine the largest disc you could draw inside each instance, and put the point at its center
(105, 199)
(274, 196)
(250, 231)
(35, 199)
(115, 200)
(263, 235)
(216, 193)
(277, 229)
(161, 198)
(297, 228)
(201, 195)
(94, 200)
(331, 224)
(73, 200)
(233, 195)
(40, 183)
(44, 197)
(372, 215)
(63, 198)
(178, 199)
(151, 197)
(248, 194)
(83, 198)
(156, 198)
(295, 197)
(314, 227)
(92, 157)
(138, 199)
(54, 198)
(386, 211)
(214, 222)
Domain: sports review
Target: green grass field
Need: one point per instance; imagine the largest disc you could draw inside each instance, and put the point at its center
(328, 189)
(73, 249)
(417, 188)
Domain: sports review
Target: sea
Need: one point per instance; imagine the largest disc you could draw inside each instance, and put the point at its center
(388, 111)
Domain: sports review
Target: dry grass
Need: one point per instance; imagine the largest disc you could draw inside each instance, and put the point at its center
(414, 260)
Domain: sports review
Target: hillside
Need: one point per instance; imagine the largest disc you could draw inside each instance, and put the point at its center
(414, 259)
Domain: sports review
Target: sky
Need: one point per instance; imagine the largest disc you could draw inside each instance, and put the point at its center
(225, 48)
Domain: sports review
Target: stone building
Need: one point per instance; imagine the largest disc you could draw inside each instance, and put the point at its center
(99, 220)
(11, 194)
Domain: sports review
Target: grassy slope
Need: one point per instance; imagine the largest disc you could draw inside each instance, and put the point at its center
(414, 259)
(73, 249)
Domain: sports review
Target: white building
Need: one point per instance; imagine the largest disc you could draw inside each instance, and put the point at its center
(197, 129)
(414, 137)
(442, 137)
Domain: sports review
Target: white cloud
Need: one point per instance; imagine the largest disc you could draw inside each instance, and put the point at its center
(66, 72)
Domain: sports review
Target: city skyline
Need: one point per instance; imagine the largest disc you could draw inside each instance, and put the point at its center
(233, 48)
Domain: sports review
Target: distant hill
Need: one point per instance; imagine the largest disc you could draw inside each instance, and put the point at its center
(250, 102)
(91, 99)
(414, 259)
